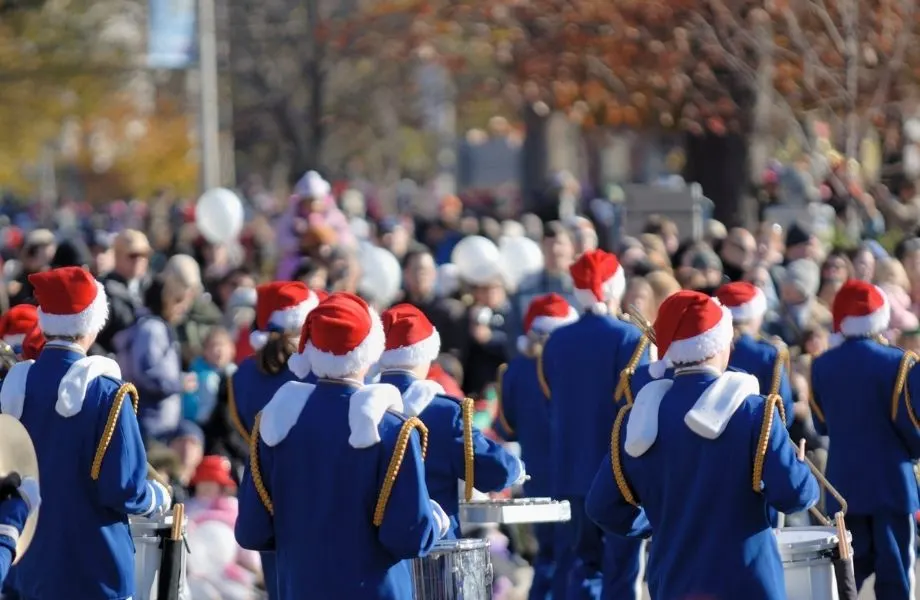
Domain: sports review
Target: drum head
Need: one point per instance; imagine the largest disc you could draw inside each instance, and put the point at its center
(459, 545)
(794, 541)
(17, 454)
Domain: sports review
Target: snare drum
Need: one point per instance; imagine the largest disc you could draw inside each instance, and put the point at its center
(148, 535)
(808, 555)
(519, 510)
(454, 570)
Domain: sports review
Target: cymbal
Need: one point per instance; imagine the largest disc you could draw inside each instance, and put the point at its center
(17, 454)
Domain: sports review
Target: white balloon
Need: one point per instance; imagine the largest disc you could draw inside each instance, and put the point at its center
(381, 275)
(478, 260)
(912, 130)
(447, 281)
(213, 548)
(219, 216)
(521, 257)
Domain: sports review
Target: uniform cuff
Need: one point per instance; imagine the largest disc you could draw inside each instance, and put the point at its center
(9, 536)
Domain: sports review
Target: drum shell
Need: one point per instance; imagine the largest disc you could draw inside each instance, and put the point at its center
(147, 535)
(454, 570)
(808, 562)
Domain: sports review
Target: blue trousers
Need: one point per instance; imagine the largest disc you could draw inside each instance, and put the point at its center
(270, 573)
(544, 564)
(884, 544)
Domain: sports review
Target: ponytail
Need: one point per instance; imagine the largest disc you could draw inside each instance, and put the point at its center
(272, 358)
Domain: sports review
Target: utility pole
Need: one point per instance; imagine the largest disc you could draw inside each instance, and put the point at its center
(209, 125)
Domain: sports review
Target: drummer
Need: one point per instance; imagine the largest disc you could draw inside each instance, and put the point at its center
(858, 401)
(16, 323)
(14, 510)
(337, 486)
(281, 309)
(687, 470)
(412, 344)
(523, 416)
(91, 458)
(581, 364)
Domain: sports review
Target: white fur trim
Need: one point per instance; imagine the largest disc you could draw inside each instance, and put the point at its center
(545, 325)
(752, 309)
(366, 408)
(414, 355)
(89, 321)
(291, 319)
(652, 352)
(657, 368)
(642, 427)
(77, 379)
(705, 345)
(711, 413)
(258, 339)
(871, 324)
(834, 340)
(586, 300)
(327, 364)
(15, 339)
(419, 395)
(299, 365)
(283, 410)
(13, 392)
(613, 289)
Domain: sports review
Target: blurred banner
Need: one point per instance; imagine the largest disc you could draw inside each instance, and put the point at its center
(171, 35)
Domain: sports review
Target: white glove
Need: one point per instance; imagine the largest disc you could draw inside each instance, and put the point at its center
(441, 517)
(162, 501)
(29, 492)
(523, 476)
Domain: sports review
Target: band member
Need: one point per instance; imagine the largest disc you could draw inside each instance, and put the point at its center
(14, 510)
(581, 364)
(16, 323)
(858, 402)
(701, 471)
(337, 483)
(523, 416)
(92, 462)
(281, 309)
(457, 450)
(767, 362)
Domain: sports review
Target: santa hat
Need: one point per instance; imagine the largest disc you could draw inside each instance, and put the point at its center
(598, 279)
(281, 307)
(860, 309)
(33, 344)
(70, 302)
(745, 300)
(411, 339)
(690, 328)
(17, 323)
(341, 336)
(214, 469)
(545, 314)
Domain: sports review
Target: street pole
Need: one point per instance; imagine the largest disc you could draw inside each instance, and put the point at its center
(209, 108)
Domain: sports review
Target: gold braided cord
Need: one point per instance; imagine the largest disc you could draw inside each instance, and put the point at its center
(500, 378)
(812, 403)
(782, 360)
(254, 470)
(235, 412)
(541, 378)
(624, 389)
(127, 389)
(618, 474)
(772, 401)
(910, 408)
(399, 453)
(900, 382)
(467, 413)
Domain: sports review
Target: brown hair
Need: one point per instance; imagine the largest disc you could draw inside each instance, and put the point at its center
(273, 357)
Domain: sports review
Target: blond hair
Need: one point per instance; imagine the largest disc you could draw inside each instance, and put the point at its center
(890, 271)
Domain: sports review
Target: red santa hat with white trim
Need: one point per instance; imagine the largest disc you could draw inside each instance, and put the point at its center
(16, 324)
(70, 302)
(545, 314)
(745, 300)
(598, 278)
(411, 339)
(281, 306)
(690, 328)
(341, 336)
(860, 310)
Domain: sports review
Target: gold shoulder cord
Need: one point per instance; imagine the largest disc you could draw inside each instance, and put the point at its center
(500, 377)
(541, 378)
(254, 469)
(782, 360)
(772, 401)
(127, 389)
(399, 452)
(468, 455)
(618, 474)
(235, 412)
(900, 384)
(623, 386)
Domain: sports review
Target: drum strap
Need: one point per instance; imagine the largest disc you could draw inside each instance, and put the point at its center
(254, 467)
(900, 385)
(399, 453)
(772, 401)
(541, 377)
(618, 475)
(466, 409)
(782, 360)
(624, 389)
(235, 412)
(127, 389)
(500, 379)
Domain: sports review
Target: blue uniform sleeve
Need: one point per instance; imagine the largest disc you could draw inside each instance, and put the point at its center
(255, 528)
(13, 515)
(606, 506)
(788, 483)
(506, 422)
(494, 468)
(409, 528)
(155, 369)
(906, 422)
(122, 483)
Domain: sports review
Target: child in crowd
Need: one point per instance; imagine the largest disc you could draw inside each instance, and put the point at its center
(215, 365)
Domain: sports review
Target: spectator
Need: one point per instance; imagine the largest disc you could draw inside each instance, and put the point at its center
(203, 314)
(666, 230)
(35, 257)
(488, 346)
(211, 369)
(863, 263)
(663, 285)
(835, 271)
(891, 277)
(419, 278)
(799, 306)
(103, 257)
(801, 243)
(187, 442)
(656, 250)
(707, 263)
(738, 253)
(72, 252)
(125, 285)
(639, 294)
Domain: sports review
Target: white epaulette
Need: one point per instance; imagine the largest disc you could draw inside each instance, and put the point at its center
(283, 410)
(80, 375)
(642, 427)
(366, 408)
(13, 392)
(711, 413)
(419, 395)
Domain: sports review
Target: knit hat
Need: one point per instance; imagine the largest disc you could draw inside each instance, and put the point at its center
(281, 306)
(342, 335)
(598, 279)
(805, 275)
(545, 314)
(214, 469)
(71, 302)
(745, 300)
(690, 328)
(17, 323)
(860, 309)
(411, 339)
(33, 344)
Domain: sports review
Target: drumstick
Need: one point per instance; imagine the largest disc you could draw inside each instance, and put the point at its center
(802, 449)
(178, 517)
(842, 543)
